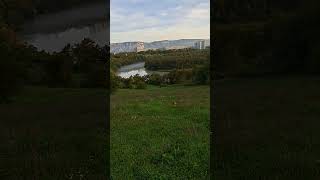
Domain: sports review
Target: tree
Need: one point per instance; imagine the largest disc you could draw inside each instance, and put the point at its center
(59, 71)
(97, 75)
(11, 73)
(201, 75)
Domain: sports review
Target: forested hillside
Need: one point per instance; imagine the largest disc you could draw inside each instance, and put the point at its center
(24, 65)
(266, 37)
(182, 66)
(266, 108)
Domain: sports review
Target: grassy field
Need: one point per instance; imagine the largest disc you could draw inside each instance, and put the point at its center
(160, 133)
(267, 128)
(53, 133)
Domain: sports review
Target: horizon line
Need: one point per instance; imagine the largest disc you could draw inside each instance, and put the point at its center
(161, 40)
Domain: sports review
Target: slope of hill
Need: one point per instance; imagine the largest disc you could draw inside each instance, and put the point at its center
(160, 132)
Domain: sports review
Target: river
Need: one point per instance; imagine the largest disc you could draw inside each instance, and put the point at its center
(137, 69)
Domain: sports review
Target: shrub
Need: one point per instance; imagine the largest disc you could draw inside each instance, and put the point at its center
(115, 81)
(11, 73)
(201, 75)
(154, 79)
(59, 71)
(97, 75)
(141, 85)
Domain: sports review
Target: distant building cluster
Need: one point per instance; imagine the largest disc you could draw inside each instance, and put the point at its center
(200, 45)
(139, 46)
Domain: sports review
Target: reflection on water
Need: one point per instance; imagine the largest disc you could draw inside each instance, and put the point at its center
(136, 69)
(132, 70)
(139, 72)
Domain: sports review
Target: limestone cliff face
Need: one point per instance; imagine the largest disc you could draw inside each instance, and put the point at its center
(126, 47)
(143, 46)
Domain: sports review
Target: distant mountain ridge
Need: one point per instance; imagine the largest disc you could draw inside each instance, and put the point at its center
(164, 44)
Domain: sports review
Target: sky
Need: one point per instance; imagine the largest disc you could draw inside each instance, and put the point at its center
(151, 20)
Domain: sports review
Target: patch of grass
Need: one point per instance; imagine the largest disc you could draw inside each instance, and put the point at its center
(267, 128)
(54, 133)
(160, 133)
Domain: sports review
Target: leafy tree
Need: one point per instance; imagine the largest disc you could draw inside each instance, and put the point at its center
(97, 75)
(201, 75)
(59, 71)
(141, 84)
(154, 79)
(115, 81)
(11, 72)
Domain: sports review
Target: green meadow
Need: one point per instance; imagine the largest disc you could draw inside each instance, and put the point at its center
(54, 133)
(267, 128)
(160, 133)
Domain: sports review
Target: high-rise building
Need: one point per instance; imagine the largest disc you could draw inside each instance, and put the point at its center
(140, 46)
(199, 44)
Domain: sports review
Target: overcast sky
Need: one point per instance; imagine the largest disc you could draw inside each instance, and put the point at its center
(151, 20)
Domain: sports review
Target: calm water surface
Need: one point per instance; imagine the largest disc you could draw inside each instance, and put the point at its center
(136, 69)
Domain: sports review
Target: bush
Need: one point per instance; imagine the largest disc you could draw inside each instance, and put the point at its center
(127, 83)
(141, 85)
(174, 77)
(97, 76)
(36, 74)
(139, 82)
(154, 79)
(59, 71)
(115, 81)
(201, 75)
(11, 73)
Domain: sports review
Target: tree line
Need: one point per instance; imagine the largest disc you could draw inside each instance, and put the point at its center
(83, 65)
(176, 59)
(161, 60)
(285, 43)
(184, 66)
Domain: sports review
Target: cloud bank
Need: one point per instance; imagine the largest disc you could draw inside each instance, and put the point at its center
(149, 20)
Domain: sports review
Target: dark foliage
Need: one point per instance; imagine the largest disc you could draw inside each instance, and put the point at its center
(11, 73)
(23, 65)
(285, 43)
(154, 79)
(176, 59)
(185, 66)
(97, 75)
(59, 71)
(134, 82)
